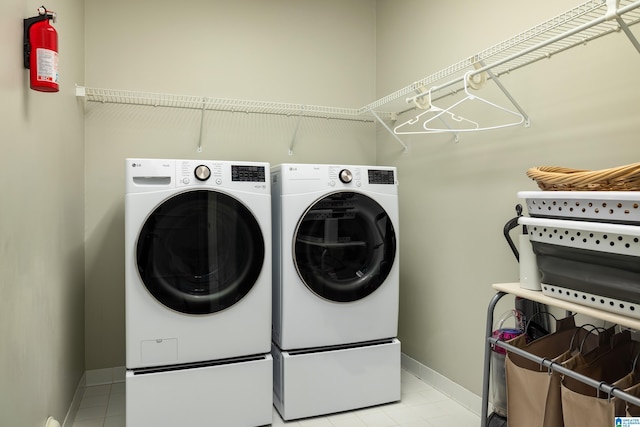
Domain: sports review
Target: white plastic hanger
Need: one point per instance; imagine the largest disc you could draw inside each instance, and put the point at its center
(431, 112)
(448, 117)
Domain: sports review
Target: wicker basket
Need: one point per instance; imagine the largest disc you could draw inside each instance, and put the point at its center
(556, 178)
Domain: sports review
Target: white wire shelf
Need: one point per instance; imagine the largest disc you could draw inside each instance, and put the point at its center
(584, 23)
(116, 96)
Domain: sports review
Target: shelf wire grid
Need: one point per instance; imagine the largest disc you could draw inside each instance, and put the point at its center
(115, 96)
(586, 22)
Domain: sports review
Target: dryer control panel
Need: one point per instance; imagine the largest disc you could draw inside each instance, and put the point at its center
(381, 176)
(345, 175)
(307, 178)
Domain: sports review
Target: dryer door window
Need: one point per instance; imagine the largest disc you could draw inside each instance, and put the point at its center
(200, 252)
(344, 246)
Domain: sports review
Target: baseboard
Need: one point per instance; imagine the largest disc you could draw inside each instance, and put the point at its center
(105, 376)
(443, 384)
(92, 378)
(75, 403)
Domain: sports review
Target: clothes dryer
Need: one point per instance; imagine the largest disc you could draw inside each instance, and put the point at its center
(335, 237)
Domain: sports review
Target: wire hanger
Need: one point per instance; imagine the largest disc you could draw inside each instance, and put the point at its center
(460, 123)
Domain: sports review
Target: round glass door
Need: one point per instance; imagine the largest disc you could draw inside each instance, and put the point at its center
(344, 246)
(200, 252)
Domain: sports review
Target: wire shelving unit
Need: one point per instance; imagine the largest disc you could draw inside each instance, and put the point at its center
(586, 22)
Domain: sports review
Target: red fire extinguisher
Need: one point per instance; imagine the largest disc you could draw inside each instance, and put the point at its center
(41, 51)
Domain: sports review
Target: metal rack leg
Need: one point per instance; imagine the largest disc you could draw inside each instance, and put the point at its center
(487, 358)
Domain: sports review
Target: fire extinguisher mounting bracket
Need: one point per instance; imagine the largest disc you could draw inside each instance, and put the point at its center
(27, 23)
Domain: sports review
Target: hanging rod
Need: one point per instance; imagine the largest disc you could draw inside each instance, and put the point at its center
(557, 367)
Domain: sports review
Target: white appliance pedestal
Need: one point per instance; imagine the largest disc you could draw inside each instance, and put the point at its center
(322, 381)
(237, 394)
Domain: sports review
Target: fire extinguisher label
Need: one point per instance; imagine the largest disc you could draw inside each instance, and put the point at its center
(47, 63)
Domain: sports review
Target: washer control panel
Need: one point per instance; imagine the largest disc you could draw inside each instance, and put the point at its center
(349, 175)
(144, 175)
(248, 173)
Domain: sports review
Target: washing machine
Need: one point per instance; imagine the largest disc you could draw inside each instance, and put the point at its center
(197, 292)
(335, 288)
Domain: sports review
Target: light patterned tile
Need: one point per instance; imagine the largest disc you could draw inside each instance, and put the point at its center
(97, 390)
(91, 412)
(89, 401)
(404, 414)
(410, 383)
(93, 422)
(346, 419)
(118, 388)
(442, 409)
(417, 398)
(116, 405)
(433, 395)
(433, 410)
(315, 422)
(370, 410)
(422, 423)
(462, 419)
(376, 419)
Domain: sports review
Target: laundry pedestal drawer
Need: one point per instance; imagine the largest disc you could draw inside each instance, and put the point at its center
(324, 381)
(236, 394)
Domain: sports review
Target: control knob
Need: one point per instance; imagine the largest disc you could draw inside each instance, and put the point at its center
(345, 176)
(202, 173)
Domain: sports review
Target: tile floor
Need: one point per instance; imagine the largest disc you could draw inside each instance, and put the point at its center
(421, 406)
(101, 406)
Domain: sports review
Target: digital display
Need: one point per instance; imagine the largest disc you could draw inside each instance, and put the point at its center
(248, 173)
(377, 176)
